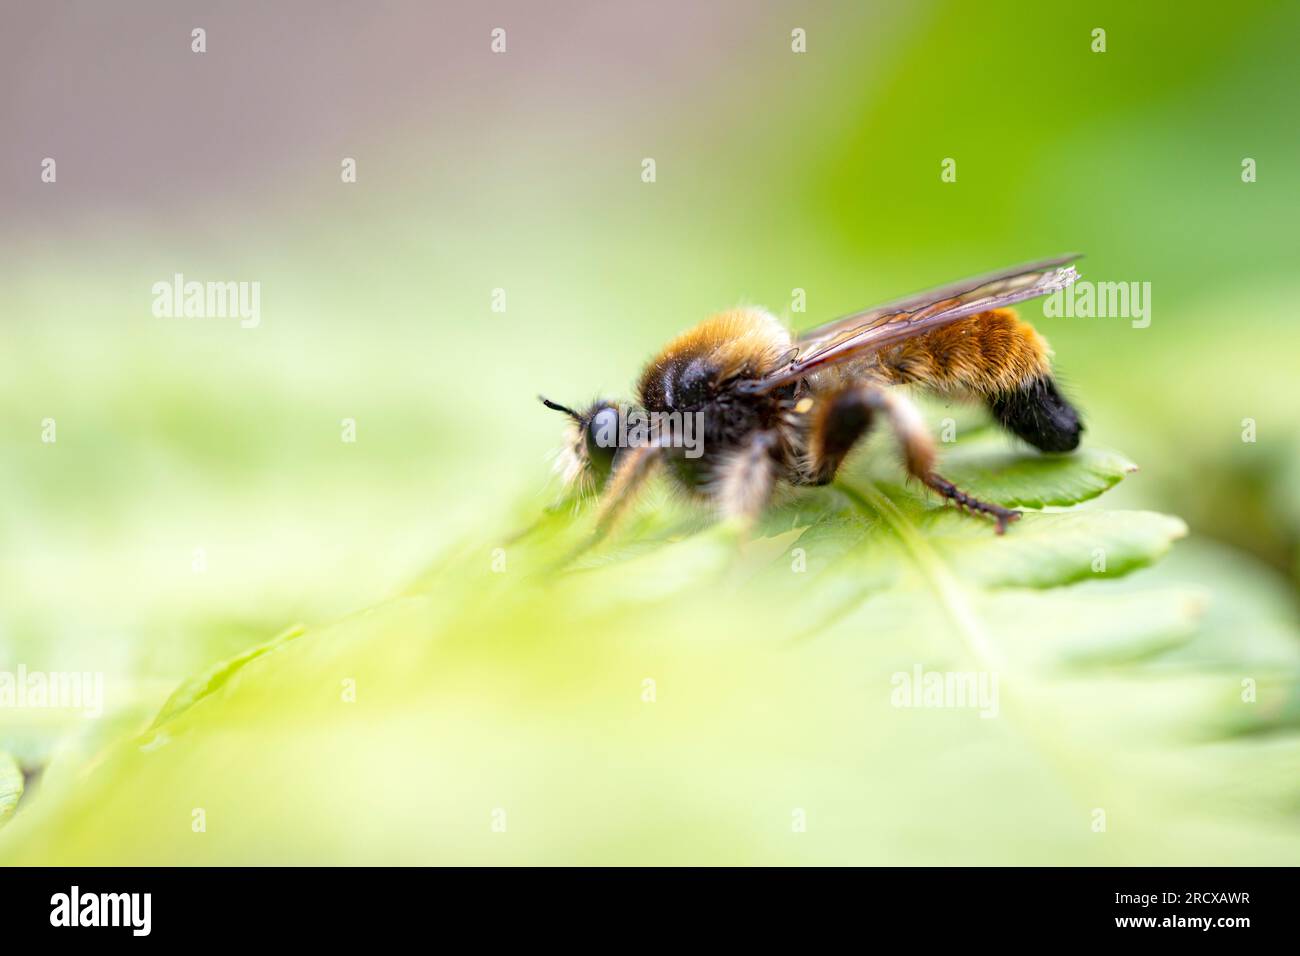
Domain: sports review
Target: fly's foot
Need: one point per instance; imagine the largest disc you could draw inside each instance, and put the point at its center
(1003, 516)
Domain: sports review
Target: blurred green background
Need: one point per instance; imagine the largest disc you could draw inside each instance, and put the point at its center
(776, 171)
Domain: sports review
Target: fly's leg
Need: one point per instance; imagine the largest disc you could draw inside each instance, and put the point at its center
(631, 468)
(843, 417)
(1003, 516)
(745, 481)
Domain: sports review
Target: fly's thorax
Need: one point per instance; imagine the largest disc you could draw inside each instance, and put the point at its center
(690, 368)
(726, 422)
(697, 376)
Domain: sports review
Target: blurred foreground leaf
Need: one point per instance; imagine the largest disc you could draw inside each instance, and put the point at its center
(11, 786)
(683, 693)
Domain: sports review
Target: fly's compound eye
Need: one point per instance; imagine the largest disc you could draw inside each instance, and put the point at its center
(602, 440)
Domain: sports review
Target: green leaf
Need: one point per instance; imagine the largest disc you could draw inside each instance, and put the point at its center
(11, 786)
(688, 693)
(1021, 480)
(217, 676)
(1049, 550)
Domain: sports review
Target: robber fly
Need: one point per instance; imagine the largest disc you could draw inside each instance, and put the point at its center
(776, 408)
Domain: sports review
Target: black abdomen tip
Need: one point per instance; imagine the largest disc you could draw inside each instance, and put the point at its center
(1038, 414)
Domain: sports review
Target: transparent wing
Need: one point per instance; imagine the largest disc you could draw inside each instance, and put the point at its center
(857, 335)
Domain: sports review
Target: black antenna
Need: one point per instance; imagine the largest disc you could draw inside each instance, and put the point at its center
(560, 408)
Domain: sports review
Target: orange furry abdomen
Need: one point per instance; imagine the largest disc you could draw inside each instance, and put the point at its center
(988, 354)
